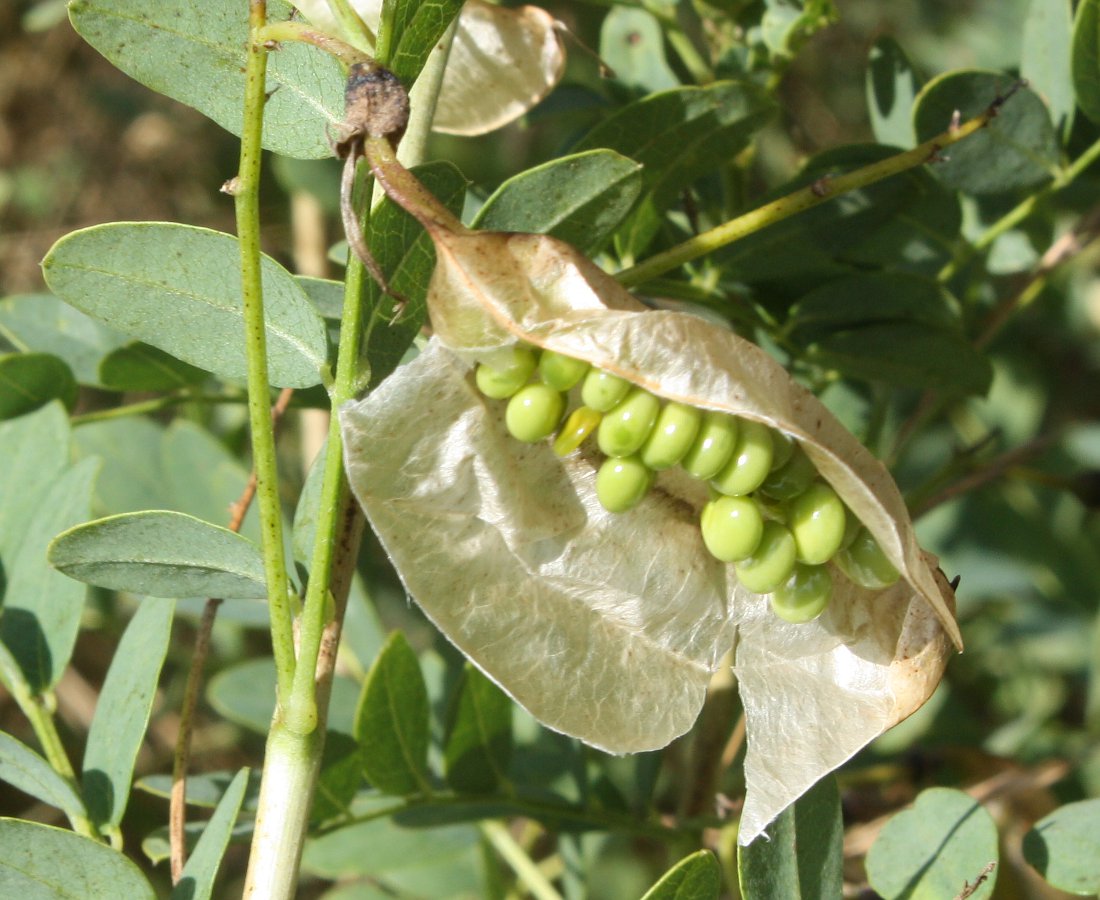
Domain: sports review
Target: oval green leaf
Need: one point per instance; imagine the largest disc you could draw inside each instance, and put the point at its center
(908, 354)
(31, 380)
(245, 694)
(24, 769)
(122, 712)
(581, 199)
(34, 451)
(478, 749)
(195, 51)
(802, 855)
(44, 324)
(392, 721)
(161, 554)
(1018, 150)
(1046, 57)
(142, 367)
(892, 87)
(42, 608)
(1064, 847)
(179, 288)
(695, 877)
(934, 849)
(1085, 61)
(40, 862)
(197, 879)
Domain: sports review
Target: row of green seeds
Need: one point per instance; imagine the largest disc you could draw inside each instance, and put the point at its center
(769, 513)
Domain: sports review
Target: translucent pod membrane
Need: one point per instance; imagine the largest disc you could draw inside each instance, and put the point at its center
(770, 515)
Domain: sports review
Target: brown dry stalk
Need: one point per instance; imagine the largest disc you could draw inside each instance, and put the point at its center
(181, 760)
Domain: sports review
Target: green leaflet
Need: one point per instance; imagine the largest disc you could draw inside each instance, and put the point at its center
(194, 51)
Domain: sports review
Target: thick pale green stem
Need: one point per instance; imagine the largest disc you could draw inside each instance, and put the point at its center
(247, 196)
(291, 764)
(821, 191)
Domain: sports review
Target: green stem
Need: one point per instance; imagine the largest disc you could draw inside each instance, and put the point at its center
(147, 406)
(354, 27)
(518, 860)
(40, 716)
(1021, 211)
(821, 191)
(247, 198)
(685, 48)
(300, 31)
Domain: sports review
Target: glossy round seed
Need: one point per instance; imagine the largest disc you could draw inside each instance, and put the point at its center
(506, 376)
(581, 423)
(713, 445)
(790, 479)
(865, 563)
(804, 595)
(603, 391)
(534, 412)
(750, 462)
(622, 483)
(782, 447)
(771, 563)
(732, 528)
(625, 428)
(672, 436)
(561, 372)
(852, 527)
(816, 519)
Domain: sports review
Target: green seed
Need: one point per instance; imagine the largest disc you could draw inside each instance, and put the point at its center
(816, 519)
(561, 372)
(865, 563)
(625, 428)
(771, 563)
(580, 424)
(790, 479)
(502, 379)
(602, 391)
(672, 436)
(751, 460)
(713, 445)
(732, 528)
(622, 483)
(804, 595)
(534, 412)
(782, 447)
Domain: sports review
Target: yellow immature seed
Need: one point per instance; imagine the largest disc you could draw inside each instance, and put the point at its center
(580, 424)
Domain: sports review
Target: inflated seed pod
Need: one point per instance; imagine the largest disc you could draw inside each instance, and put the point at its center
(732, 527)
(816, 519)
(534, 412)
(790, 479)
(771, 563)
(609, 627)
(804, 595)
(864, 562)
(713, 445)
(621, 483)
(561, 372)
(506, 375)
(603, 391)
(672, 436)
(580, 423)
(625, 427)
(750, 463)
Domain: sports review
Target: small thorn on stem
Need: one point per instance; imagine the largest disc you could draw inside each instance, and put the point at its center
(956, 121)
